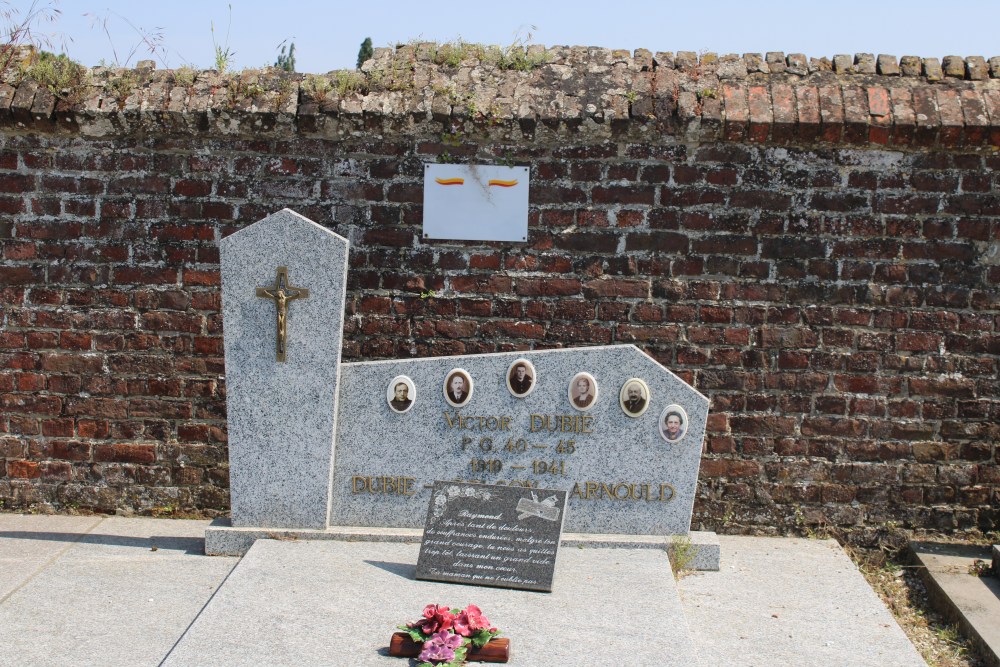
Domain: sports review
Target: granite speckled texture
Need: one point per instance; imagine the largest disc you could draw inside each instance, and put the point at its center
(337, 603)
(386, 461)
(282, 415)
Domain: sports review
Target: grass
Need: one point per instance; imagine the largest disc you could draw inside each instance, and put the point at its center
(901, 589)
(681, 554)
(514, 56)
(59, 74)
(184, 76)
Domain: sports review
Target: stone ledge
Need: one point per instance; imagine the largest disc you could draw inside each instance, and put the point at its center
(597, 93)
(222, 539)
(970, 601)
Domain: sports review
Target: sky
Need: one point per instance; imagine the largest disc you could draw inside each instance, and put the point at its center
(328, 33)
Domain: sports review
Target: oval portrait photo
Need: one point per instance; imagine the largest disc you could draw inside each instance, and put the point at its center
(401, 393)
(457, 387)
(521, 378)
(634, 397)
(583, 391)
(673, 423)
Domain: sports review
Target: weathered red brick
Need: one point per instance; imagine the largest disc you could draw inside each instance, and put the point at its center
(927, 116)
(952, 120)
(761, 113)
(856, 114)
(736, 114)
(831, 113)
(729, 468)
(125, 453)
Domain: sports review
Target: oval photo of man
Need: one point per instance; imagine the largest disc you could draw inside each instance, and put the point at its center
(457, 387)
(583, 391)
(634, 397)
(673, 423)
(521, 378)
(401, 393)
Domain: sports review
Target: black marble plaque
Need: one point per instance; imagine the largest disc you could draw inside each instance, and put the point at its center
(486, 535)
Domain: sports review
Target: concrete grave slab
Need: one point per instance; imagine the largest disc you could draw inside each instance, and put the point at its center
(825, 613)
(27, 545)
(282, 414)
(110, 599)
(791, 601)
(334, 603)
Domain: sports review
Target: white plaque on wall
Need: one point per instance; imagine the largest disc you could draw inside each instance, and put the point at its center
(475, 202)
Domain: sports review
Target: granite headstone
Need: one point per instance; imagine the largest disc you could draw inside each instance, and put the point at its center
(283, 285)
(491, 535)
(622, 469)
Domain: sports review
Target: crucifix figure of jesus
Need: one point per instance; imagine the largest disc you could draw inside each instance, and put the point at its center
(282, 292)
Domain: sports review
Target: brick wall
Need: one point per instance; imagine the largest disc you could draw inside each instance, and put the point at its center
(828, 275)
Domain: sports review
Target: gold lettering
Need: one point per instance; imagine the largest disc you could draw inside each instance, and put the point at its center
(537, 423)
(478, 422)
(561, 423)
(631, 491)
(383, 484)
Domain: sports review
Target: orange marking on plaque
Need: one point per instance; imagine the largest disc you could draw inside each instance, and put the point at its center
(503, 184)
(450, 181)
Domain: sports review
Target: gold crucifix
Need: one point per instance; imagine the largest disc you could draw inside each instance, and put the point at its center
(282, 293)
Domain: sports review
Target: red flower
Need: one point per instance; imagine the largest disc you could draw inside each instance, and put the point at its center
(470, 620)
(436, 618)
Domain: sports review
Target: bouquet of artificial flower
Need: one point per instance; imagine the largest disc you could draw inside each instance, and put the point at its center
(446, 634)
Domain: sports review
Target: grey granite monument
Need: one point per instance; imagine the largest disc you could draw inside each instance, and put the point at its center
(622, 475)
(283, 282)
(620, 433)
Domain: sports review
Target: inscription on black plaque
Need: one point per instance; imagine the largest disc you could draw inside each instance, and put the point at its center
(486, 535)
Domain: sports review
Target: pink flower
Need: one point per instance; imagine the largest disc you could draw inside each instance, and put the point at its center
(440, 647)
(470, 620)
(436, 618)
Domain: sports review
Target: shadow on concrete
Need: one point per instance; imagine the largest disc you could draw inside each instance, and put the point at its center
(404, 570)
(187, 545)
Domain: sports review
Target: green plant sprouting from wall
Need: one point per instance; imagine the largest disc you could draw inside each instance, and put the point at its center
(514, 56)
(223, 53)
(244, 86)
(184, 77)
(60, 75)
(18, 30)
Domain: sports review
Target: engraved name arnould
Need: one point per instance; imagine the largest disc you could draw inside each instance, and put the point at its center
(626, 491)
